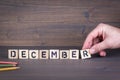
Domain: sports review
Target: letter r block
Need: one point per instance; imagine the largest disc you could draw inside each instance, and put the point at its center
(85, 54)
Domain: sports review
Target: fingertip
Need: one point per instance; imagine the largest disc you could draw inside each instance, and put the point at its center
(92, 51)
(102, 53)
(84, 46)
(87, 45)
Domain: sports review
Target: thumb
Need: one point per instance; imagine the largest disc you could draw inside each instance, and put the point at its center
(98, 47)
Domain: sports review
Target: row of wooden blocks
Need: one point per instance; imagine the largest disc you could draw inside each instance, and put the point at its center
(48, 54)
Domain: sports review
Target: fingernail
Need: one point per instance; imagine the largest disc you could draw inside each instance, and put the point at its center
(103, 54)
(92, 51)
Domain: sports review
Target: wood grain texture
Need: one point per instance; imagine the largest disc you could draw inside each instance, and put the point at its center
(53, 22)
(96, 68)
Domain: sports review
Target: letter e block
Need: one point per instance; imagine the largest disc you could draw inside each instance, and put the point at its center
(44, 54)
(85, 54)
(23, 54)
(74, 54)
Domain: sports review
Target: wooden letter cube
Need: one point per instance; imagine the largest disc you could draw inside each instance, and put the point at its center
(44, 54)
(74, 54)
(64, 54)
(13, 54)
(33, 54)
(85, 54)
(23, 54)
(54, 54)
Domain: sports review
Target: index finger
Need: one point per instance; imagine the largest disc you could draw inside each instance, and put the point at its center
(90, 38)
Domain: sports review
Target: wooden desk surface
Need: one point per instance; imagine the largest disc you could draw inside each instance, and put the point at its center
(57, 23)
(96, 68)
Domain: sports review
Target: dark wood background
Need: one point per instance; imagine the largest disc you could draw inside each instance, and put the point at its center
(53, 22)
(60, 24)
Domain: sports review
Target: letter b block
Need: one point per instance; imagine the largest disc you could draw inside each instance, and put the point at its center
(64, 54)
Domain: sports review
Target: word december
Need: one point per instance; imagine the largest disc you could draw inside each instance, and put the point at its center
(48, 54)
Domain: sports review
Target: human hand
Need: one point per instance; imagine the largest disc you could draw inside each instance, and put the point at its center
(102, 37)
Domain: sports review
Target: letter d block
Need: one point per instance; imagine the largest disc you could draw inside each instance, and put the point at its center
(85, 54)
(13, 54)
